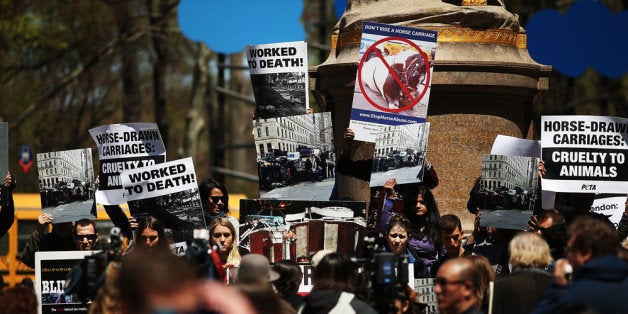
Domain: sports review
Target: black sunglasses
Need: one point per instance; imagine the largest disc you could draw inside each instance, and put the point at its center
(90, 237)
(215, 199)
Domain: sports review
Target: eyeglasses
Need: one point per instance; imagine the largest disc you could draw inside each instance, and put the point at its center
(443, 282)
(150, 238)
(215, 199)
(90, 237)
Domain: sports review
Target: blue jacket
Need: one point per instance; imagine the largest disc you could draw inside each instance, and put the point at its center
(601, 284)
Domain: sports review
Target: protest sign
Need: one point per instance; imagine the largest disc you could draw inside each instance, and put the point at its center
(279, 78)
(296, 229)
(51, 271)
(4, 149)
(294, 149)
(508, 183)
(66, 184)
(168, 191)
(611, 206)
(506, 219)
(393, 79)
(400, 154)
(585, 154)
(122, 147)
(514, 146)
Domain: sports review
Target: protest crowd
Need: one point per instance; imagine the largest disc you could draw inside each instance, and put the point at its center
(180, 249)
(569, 260)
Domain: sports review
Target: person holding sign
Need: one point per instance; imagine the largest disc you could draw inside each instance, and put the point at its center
(418, 205)
(7, 208)
(65, 236)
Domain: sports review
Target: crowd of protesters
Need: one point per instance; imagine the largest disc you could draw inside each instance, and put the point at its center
(568, 260)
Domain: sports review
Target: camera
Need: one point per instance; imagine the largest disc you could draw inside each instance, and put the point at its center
(89, 273)
(199, 253)
(383, 275)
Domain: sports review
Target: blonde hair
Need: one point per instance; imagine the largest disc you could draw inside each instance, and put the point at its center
(234, 255)
(528, 249)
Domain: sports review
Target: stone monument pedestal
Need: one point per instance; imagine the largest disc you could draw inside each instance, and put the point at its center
(484, 84)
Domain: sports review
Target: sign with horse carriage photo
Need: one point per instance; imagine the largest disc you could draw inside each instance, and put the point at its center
(393, 80)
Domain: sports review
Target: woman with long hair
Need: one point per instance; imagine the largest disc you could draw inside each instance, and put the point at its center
(222, 239)
(422, 212)
(398, 235)
(152, 235)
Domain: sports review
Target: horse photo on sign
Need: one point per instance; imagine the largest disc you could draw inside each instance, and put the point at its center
(398, 72)
(393, 78)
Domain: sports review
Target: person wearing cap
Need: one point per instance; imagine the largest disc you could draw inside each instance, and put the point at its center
(254, 278)
(334, 286)
(255, 268)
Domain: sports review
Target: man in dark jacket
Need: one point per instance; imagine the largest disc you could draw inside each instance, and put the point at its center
(600, 277)
(522, 290)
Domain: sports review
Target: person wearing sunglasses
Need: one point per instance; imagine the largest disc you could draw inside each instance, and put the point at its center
(61, 238)
(215, 200)
(85, 235)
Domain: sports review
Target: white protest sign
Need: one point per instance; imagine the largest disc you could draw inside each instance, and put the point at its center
(122, 147)
(279, 76)
(585, 154)
(393, 79)
(514, 146)
(611, 206)
(157, 180)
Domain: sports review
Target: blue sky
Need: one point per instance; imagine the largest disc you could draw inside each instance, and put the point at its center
(588, 35)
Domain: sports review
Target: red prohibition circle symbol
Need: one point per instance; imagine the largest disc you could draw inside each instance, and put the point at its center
(404, 89)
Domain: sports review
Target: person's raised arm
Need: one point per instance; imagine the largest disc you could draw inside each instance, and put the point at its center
(7, 207)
